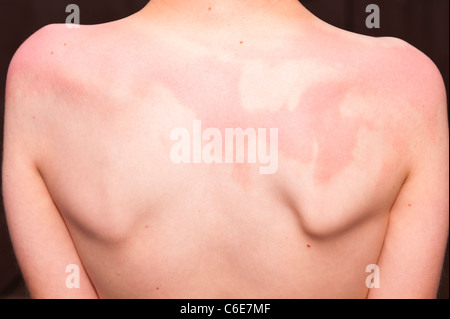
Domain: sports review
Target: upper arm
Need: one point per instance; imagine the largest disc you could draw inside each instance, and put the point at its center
(41, 240)
(412, 256)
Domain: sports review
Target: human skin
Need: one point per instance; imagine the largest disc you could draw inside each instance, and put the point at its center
(362, 172)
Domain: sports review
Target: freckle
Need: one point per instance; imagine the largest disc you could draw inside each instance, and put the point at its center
(34, 117)
(241, 42)
(309, 246)
(409, 205)
(157, 288)
(209, 9)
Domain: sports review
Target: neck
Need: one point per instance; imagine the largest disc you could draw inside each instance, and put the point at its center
(225, 13)
(231, 6)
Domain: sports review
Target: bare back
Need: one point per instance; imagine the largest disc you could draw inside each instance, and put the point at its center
(146, 226)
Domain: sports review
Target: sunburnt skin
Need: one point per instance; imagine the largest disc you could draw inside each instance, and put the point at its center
(228, 91)
(303, 102)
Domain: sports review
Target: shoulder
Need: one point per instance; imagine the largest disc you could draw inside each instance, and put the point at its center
(39, 48)
(56, 63)
(28, 85)
(400, 90)
(405, 72)
(40, 77)
(41, 59)
(387, 65)
(414, 66)
(56, 50)
(405, 82)
(58, 59)
(414, 82)
(415, 98)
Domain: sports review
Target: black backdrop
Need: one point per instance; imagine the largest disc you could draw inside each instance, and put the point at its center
(422, 23)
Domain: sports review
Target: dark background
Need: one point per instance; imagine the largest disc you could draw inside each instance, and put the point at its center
(422, 23)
